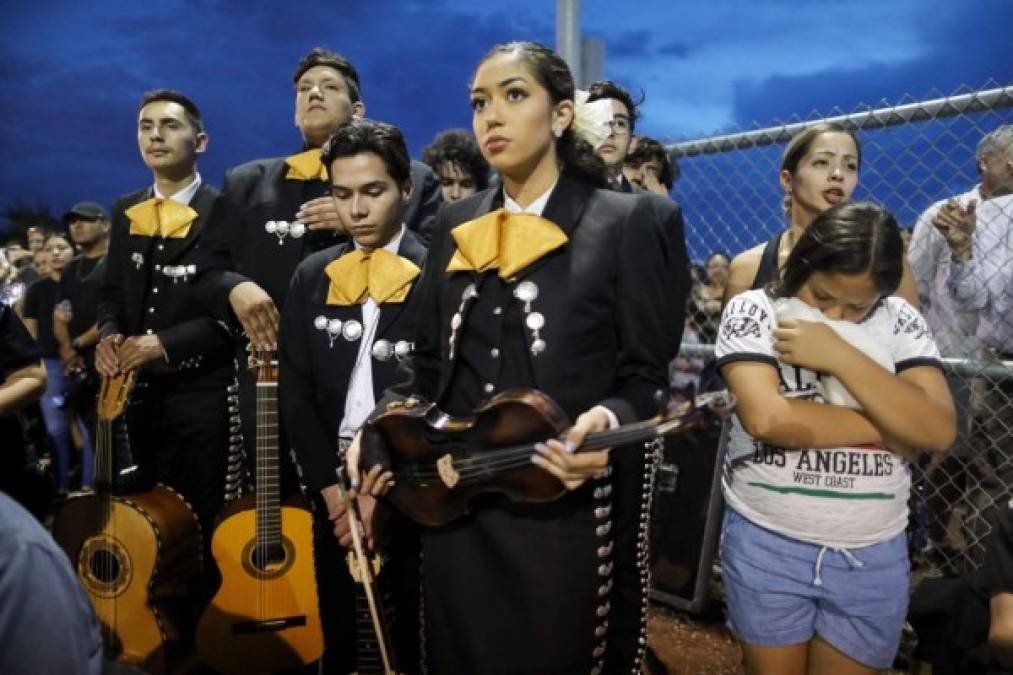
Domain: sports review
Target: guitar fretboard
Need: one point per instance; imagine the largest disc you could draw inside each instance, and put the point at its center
(268, 489)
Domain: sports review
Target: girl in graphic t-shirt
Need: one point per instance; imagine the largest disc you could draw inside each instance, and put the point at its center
(830, 409)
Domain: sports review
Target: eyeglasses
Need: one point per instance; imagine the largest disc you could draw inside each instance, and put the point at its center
(618, 126)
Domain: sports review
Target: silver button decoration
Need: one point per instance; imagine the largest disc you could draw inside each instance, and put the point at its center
(332, 327)
(489, 387)
(469, 294)
(402, 349)
(382, 350)
(283, 228)
(352, 330)
(137, 259)
(527, 292)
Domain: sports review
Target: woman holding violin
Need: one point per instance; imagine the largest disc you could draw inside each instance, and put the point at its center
(554, 284)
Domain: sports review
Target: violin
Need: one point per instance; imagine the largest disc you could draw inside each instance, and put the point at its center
(440, 462)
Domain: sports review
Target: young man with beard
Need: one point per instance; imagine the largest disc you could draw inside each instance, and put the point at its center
(74, 318)
(177, 420)
(348, 322)
(273, 213)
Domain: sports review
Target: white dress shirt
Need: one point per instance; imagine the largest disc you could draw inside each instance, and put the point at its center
(185, 195)
(361, 399)
(953, 326)
(985, 282)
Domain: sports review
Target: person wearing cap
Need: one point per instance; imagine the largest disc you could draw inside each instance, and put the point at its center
(178, 422)
(273, 213)
(74, 323)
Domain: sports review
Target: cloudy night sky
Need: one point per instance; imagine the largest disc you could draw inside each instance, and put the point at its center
(72, 72)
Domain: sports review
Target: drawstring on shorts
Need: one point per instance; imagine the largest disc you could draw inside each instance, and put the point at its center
(853, 562)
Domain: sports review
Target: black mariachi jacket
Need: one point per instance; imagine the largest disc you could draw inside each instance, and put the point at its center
(147, 286)
(316, 368)
(239, 248)
(613, 299)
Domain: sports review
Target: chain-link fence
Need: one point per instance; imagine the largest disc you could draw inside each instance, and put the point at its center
(915, 154)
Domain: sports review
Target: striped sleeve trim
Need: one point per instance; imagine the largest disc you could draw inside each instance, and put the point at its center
(918, 361)
(747, 356)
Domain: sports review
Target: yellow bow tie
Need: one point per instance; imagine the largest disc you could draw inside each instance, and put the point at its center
(504, 240)
(158, 217)
(358, 275)
(306, 166)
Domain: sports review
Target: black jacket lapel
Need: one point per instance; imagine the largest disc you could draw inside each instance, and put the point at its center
(202, 202)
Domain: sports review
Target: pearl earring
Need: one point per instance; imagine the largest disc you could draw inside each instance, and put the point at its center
(557, 132)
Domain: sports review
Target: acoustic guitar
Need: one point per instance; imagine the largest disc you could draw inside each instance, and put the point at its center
(265, 616)
(135, 553)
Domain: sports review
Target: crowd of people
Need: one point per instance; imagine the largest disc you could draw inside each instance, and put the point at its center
(539, 251)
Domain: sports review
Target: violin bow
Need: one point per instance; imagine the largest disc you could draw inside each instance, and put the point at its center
(358, 532)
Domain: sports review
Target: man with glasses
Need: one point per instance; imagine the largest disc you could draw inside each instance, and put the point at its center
(617, 145)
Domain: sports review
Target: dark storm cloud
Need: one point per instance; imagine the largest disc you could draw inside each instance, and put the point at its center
(624, 44)
(965, 45)
(73, 77)
(679, 50)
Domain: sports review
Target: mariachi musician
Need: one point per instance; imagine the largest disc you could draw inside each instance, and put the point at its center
(178, 418)
(555, 284)
(273, 213)
(348, 322)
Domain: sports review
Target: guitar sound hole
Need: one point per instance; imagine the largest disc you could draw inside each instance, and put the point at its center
(105, 566)
(266, 557)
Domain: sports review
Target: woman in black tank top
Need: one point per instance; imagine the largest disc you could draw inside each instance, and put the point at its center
(819, 169)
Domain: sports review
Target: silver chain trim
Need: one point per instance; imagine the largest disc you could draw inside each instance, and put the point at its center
(655, 451)
(237, 481)
(602, 508)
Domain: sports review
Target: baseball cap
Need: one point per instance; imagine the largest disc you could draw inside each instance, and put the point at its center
(85, 210)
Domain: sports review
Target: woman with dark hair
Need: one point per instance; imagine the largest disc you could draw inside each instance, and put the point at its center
(819, 169)
(555, 284)
(455, 158)
(838, 385)
(40, 301)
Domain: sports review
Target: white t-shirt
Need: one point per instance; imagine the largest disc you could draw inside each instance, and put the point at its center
(841, 497)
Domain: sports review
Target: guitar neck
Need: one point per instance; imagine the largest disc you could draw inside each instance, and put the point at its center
(268, 499)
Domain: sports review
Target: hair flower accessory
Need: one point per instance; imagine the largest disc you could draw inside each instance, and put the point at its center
(591, 119)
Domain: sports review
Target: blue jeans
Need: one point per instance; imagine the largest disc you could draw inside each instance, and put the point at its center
(57, 421)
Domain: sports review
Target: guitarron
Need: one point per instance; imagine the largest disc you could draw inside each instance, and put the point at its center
(265, 615)
(135, 553)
